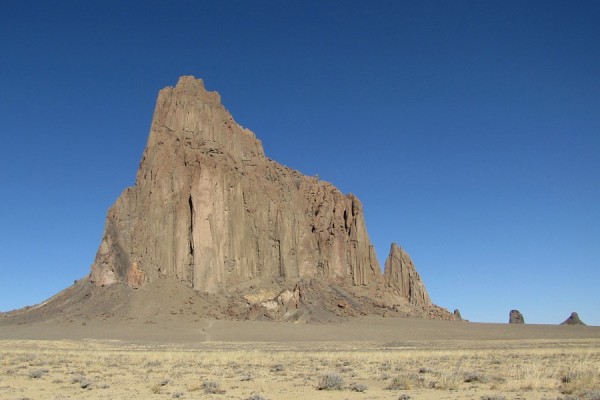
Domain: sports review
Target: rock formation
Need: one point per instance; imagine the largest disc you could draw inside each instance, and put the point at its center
(209, 209)
(573, 320)
(403, 278)
(515, 317)
(457, 315)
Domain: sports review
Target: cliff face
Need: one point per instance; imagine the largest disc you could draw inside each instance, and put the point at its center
(209, 209)
(403, 278)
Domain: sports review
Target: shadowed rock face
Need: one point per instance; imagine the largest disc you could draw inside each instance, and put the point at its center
(515, 317)
(573, 320)
(212, 211)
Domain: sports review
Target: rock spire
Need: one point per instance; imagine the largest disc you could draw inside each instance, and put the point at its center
(403, 278)
(573, 320)
(515, 317)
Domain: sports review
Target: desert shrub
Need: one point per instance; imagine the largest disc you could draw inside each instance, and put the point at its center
(385, 366)
(37, 373)
(256, 397)
(405, 382)
(591, 395)
(331, 381)
(584, 395)
(358, 387)
(83, 382)
(278, 368)
(156, 389)
(446, 382)
(471, 377)
(579, 381)
(212, 387)
(151, 364)
(493, 397)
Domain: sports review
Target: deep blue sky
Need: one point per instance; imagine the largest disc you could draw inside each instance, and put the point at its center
(470, 130)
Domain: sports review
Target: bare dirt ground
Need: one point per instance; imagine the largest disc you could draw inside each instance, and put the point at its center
(372, 358)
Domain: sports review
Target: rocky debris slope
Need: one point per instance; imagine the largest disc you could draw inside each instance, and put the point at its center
(211, 211)
(573, 320)
(515, 317)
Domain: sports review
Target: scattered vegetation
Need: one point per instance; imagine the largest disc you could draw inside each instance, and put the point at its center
(256, 397)
(471, 377)
(83, 382)
(548, 370)
(278, 368)
(581, 379)
(405, 382)
(212, 387)
(358, 387)
(37, 373)
(331, 381)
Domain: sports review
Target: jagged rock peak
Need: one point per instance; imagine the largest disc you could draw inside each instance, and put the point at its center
(401, 275)
(189, 115)
(195, 87)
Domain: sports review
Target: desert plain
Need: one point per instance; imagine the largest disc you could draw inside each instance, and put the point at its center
(366, 358)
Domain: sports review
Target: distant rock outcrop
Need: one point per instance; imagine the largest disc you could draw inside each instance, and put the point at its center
(457, 315)
(573, 320)
(515, 317)
(210, 210)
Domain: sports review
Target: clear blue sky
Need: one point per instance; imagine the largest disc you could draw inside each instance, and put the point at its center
(470, 130)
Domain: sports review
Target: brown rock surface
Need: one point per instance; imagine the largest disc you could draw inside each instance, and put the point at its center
(209, 209)
(573, 320)
(515, 317)
(457, 315)
(403, 278)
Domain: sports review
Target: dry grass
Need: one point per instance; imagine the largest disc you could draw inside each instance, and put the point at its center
(103, 369)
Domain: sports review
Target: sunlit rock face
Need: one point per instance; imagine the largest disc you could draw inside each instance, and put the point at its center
(403, 278)
(209, 209)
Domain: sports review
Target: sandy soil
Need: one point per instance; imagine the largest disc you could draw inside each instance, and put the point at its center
(376, 358)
